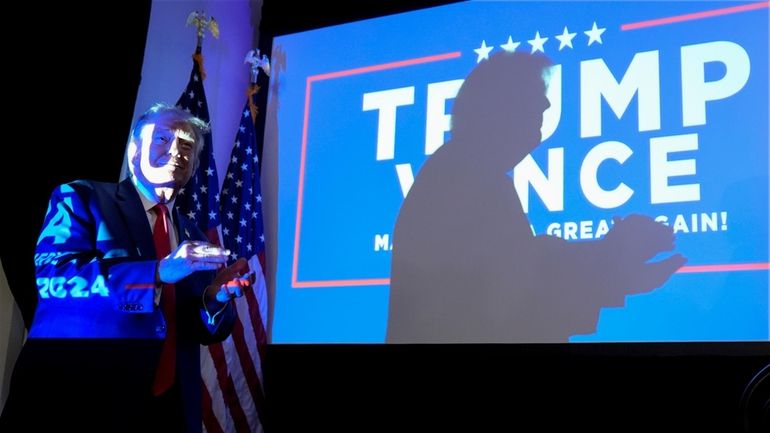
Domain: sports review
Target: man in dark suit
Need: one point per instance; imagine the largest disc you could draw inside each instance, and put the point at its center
(128, 290)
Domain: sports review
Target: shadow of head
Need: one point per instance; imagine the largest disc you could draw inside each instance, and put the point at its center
(501, 103)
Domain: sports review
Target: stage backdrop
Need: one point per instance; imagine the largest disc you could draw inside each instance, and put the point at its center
(657, 108)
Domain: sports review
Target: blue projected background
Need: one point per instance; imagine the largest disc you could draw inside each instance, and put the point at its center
(670, 99)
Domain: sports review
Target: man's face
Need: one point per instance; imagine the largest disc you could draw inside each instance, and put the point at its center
(164, 157)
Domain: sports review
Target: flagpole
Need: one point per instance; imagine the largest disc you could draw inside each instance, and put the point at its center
(202, 22)
(257, 63)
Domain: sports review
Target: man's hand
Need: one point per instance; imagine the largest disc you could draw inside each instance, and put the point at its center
(233, 281)
(189, 257)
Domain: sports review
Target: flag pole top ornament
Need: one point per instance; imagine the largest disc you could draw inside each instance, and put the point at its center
(257, 62)
(202, 22)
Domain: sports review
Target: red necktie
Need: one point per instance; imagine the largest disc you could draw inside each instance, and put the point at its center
(164, 375)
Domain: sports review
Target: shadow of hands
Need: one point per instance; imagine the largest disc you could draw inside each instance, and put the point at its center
(636, 239)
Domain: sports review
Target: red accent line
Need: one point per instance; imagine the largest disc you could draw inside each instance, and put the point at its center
(683, 270)
(342, 283)
(694, 16)
(301, 187)
(139, 286)
(303, 152)
(724, 268)
(385, 66)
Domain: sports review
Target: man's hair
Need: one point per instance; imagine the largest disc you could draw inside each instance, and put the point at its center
(197, 126)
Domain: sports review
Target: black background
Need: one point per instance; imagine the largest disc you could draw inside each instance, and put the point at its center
(69, 101)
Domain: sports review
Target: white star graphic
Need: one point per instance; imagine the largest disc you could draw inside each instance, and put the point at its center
(510, 46)
(595, 34)
(537, 43)
(565, 39)
(209, 171)
(483, 51)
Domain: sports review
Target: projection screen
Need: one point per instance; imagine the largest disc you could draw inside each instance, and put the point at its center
(639, 215)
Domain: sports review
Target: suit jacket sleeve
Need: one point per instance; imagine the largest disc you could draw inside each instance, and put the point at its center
(95, 267)
(90, 284)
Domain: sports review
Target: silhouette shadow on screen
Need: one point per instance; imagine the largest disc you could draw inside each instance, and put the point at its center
(466, 266)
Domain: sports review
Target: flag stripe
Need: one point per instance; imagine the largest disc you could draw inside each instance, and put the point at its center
(249, 375)
(215, 415)
(226, 385)
(255, 313)
(210, 423)
(241, 388)
(261, 292)
(242, 234)
(250, 365)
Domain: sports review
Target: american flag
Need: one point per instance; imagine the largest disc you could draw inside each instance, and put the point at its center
(238, 360)
(198, 199)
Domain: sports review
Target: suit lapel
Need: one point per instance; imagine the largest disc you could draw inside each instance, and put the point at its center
(136, 219)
